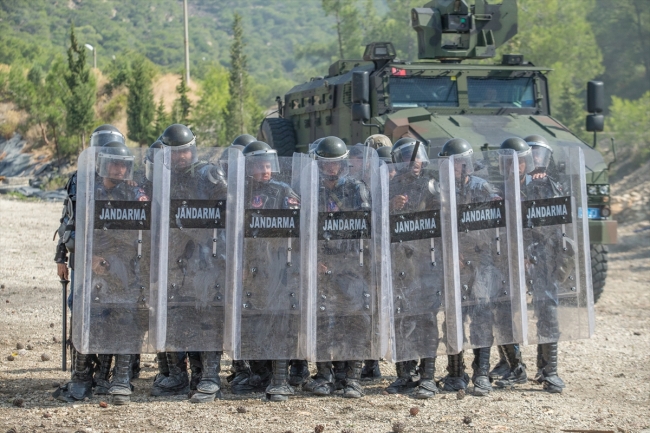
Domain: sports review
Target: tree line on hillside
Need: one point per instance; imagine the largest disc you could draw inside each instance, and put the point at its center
(61, 103)
(580, 40)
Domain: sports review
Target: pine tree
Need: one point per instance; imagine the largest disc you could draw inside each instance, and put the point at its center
(80, 102)
(140, 105)
(182, 106)
(238, 84)
(162, 120)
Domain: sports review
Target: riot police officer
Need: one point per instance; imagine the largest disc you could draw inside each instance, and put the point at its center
(339, 192)
(191, 179)
(417, 282)
(83, 365)
(175, 380)
(276, 278)
(469, 189)
(115, 165)
(542, 268)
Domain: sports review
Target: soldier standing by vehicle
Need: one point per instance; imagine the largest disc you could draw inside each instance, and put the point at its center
(83, 365)
(546, 260)
(417, 280)
(480, 275)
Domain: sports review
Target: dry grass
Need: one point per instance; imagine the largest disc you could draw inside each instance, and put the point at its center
(9, 123)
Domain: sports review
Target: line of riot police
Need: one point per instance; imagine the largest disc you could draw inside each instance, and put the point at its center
(345, 254)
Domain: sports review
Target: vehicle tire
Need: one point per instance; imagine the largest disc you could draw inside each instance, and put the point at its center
(279, 134)
(599, 255)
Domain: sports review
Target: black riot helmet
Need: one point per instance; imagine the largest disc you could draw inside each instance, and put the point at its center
(115, 161)
(403, 148)
(261, 161)
(105, 134)
(181, 140)
(462, 153)
(243, 140)
(149, 158)
(385, 154)
(542, 151)
(523, 151)
(332, 150)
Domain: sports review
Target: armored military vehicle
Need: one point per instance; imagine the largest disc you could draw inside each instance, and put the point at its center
(443, 95)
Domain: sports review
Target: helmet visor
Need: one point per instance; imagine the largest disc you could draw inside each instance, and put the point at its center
(463, 165)
(333, 169)
(525, 160)
(100, 138)
(405, 154)
(260, 166)
(182, 157)
(115, 167)
(541, 156)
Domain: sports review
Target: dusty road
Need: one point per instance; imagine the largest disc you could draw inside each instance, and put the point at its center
(608, 376)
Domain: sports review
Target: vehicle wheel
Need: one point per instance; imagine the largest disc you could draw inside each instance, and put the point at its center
(599, 255)
(279, 134)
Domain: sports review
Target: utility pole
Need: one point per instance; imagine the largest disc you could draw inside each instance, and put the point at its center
(187, 45)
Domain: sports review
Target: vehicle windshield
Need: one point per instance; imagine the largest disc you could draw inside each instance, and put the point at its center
(423, 92)
(501, 92)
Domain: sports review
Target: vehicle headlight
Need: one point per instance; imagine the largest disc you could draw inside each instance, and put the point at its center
(605, 212)
(592, 189)
(603, 189)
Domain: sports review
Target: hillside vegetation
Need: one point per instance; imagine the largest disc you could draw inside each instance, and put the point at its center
(289, 41)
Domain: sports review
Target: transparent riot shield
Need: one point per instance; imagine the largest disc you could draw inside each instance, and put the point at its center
(486, 246)
(189, 271)
(267, 320)
(113, 238)
(417, 313)
(344, 216)
(556, 258)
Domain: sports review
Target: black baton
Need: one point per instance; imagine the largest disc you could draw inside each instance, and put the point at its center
(64, 329)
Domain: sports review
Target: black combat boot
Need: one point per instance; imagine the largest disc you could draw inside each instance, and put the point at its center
(209, 387)
(250, 376)
(406, 373)
(539, 377)
(298, 372)
(340, 373)
(121, 387)
(517, 373)
(102, 376)
(427, 386)
(135, 367)
(279, 389)
(548, 377)
(176, 381)
(481, 367)
(81, 383)
(163, 372)
(370, 370)
(323, 382)
(502, 368)
(352, 387)
(196, 369)
(457, 379)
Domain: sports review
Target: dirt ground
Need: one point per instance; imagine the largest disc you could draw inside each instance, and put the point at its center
(607, 376)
